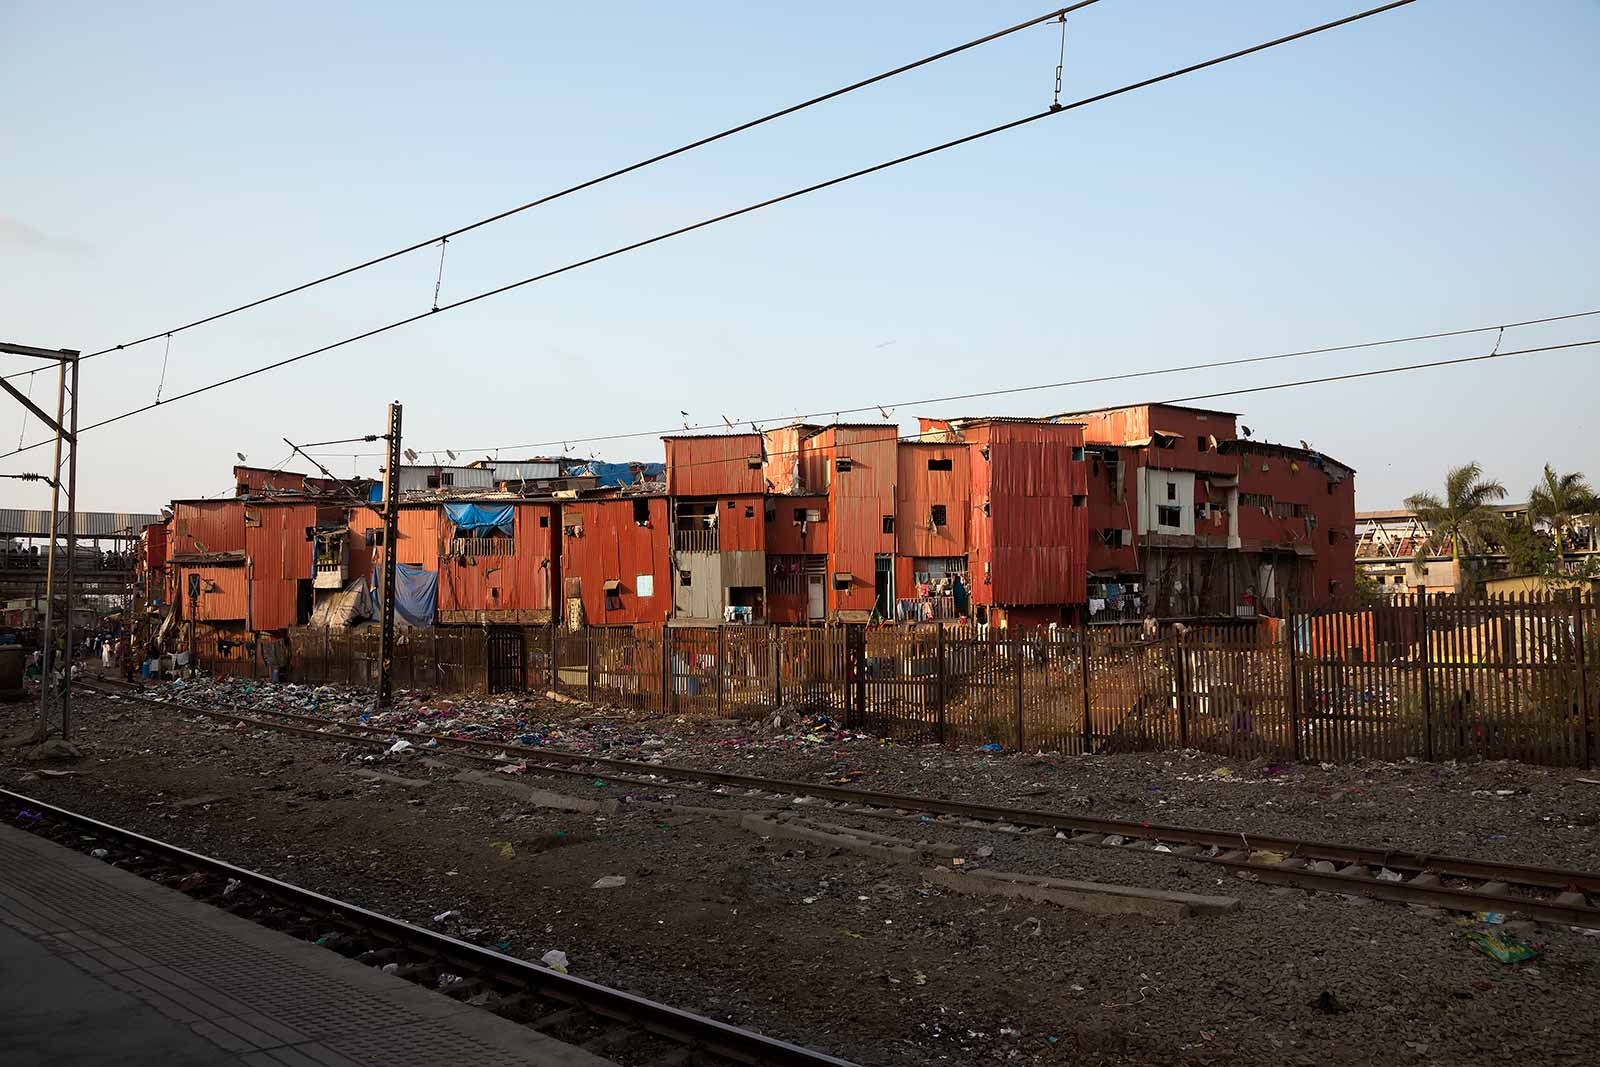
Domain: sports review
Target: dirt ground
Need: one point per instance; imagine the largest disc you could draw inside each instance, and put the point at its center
(866, 958)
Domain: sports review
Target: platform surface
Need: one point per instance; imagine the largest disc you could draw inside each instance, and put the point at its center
(99, 966)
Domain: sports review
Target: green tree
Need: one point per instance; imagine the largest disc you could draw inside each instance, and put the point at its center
(1529, 550)
(1463, 522)
(1561, 499)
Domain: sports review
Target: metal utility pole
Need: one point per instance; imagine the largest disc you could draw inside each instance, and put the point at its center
(65, 425)
(391, 534)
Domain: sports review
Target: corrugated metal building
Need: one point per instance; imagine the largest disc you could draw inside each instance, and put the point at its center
(503, 581)
(615, 561)
(278, 563)
(206, 527)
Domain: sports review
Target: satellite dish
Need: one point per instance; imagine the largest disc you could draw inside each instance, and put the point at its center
(451, 454)
(411, 456)
(241, 456)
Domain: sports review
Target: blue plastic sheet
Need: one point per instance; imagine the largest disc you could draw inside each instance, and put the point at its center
(481, 518)
(620, 473)
(416, 595)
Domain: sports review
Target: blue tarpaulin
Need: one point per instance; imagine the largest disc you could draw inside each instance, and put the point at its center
(416, 595)
(620, 473)
(480, 518)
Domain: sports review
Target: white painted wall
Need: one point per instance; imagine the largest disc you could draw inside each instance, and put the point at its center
(1153, 496)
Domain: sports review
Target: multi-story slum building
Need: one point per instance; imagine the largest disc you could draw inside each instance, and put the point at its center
(1152, 509)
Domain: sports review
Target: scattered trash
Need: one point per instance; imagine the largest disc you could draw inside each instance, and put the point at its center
(808, 900)
(556, 960)
(506, 849)
(991, 747)
(852, 933)
(1386, 875)
(918, 978)
(610, 881)
(448, 980)
(232, 887)
(520, 767)
(443, 915)
(400, 746)
(1493, 918)
(28, 815)
(1267, 856)
(390, 968)
(326, 938)
(1502, 946)
(1158, 848)
(1222, 772)
(985, 851)
(99, 854)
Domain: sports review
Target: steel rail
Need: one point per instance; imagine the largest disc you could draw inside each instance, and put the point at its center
(1395, 859)
(675, 1024)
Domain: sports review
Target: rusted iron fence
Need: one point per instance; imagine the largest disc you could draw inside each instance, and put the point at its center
(1437, 679)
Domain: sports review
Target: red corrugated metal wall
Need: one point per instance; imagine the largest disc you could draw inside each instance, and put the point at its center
(858, 500)
(1107, 512)
(741, 527)
(277, 556)
(255, 479)
(222, 591)
(783, 468)
(918, 488)
(715, 466)
(611, 546)
(787, 535)
(518, 582)
(207, 526)
(1032, 547)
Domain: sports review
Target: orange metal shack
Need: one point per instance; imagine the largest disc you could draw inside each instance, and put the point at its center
(615, 561)
(933, 495)
(860, 464)
(277, 560)
(715, 465)
(207, 527)
(1029, 516)
(797, 558)
(501, 580)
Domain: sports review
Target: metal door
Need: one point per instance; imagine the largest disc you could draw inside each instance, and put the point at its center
(505, 660)
(816, 602)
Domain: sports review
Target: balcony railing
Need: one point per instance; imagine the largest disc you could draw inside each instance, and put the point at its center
(703, 539)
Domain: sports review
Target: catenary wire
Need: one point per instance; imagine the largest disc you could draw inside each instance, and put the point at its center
(1013, 390)
(440, 239)
(782, 198)
(1243, 390)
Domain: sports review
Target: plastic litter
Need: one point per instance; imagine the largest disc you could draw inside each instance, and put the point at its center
(232, 887)
(443, 915)
(390, 968)
(556, 960)
(506, 849)
(1493, 918)
(610, 881)
(400, 746)
(1502, 946)
(99, 854)
(1385, 874)
(991, 747)
(27, 815)
(1222, 772)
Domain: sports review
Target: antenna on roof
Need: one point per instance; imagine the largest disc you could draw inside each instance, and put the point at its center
(241, 457)
(726, 422)
(884, 413)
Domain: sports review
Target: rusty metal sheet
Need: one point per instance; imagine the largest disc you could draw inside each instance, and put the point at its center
(858, 499)
(742, 523)
(249, 480)
(600, 541)
(922, 483)
(273, 603)
(275, 540)
(222, 591)
(715, 465)
(207, 526)
(789, 534)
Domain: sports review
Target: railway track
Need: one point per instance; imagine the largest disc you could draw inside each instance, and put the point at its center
(607, 1022)
(1457, 883)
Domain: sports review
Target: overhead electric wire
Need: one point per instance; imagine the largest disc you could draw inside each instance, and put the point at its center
(1008, 390)
(818, 186)
(1350, 376)
(834, 94)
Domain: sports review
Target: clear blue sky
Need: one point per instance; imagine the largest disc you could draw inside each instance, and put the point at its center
(1431, 168)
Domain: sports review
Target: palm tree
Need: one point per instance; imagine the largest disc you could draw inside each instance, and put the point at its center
(1463, 521)
(1558, 499)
